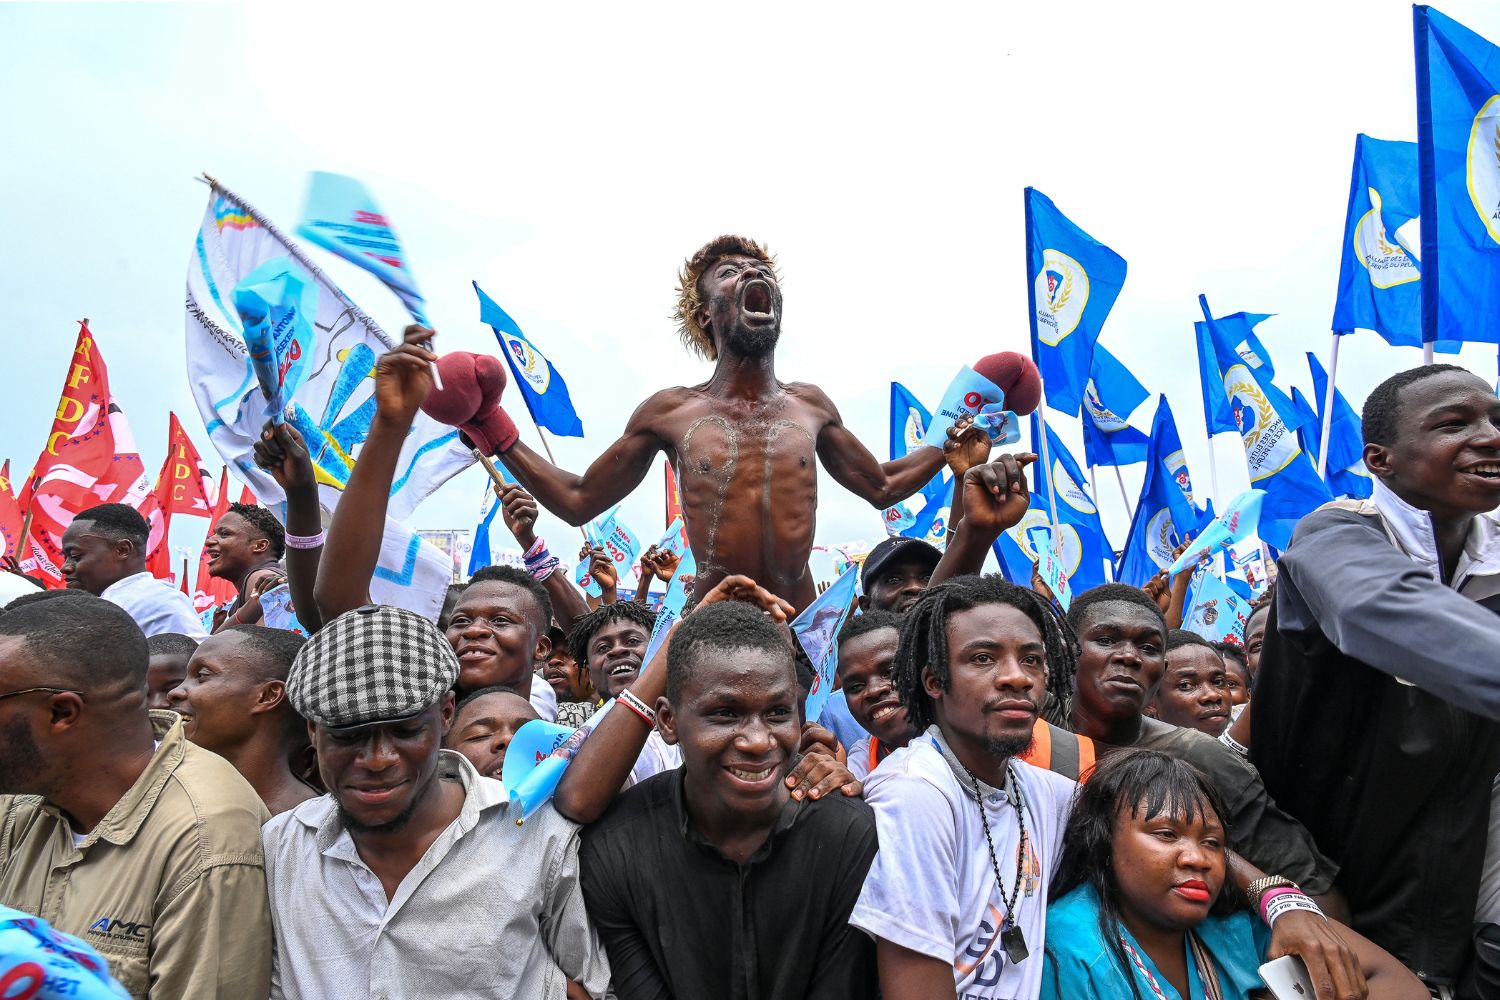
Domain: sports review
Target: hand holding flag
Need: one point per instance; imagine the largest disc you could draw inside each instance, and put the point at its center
(1239, 521)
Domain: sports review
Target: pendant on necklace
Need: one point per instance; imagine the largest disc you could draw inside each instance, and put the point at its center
(1014, 944)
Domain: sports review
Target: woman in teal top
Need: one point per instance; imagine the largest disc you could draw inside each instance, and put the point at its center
(1142, 908)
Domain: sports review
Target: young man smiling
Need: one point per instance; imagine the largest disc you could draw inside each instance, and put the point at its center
(366, 882)
(245, 548)
(712, 880)
(1375, 698)
(232, 700)
(969, 835)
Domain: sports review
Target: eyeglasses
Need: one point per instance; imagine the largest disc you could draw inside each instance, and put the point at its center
(32, 690)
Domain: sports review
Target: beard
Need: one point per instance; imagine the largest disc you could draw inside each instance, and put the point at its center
(20, 760)
(754, 342)
(1012, 746)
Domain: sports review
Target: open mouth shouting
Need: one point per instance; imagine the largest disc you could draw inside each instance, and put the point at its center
(757, 303)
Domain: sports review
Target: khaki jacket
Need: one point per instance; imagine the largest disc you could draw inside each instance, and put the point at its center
(170, 886)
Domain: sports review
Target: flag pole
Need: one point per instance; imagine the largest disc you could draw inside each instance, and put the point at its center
(1213, 467)
(1041, 414)
(1129, 510)
(1427, 353)
(1327, 415)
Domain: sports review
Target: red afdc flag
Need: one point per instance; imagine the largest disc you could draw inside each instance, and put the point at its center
(11, 518)
(90, 458)
(184, 486)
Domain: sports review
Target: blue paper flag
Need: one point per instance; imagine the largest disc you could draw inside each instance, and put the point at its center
(1458, 170)
(535, 760)
(340, 216)
(1240, 520)
(541, 384)
(1110, 397)
(1216, 612)
(1074, 282)
(817, 629)
(277, 305)
(966, 395)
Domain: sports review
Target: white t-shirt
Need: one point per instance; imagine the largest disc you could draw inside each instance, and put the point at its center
(656, 756)
(859, 759)
(543, 699)
(156, 605)
(932, 886)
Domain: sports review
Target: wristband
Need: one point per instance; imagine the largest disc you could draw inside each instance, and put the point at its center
(639, 707)
(1270, 894)
(1234, 744)
(1283, 905)
(304, 541)
(539, 562)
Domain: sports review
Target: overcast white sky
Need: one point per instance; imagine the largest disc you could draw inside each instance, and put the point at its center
(569, 156)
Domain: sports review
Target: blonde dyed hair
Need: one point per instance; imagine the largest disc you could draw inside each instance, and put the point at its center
(694, 337)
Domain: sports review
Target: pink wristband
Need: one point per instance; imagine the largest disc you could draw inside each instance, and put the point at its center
(1270, 894)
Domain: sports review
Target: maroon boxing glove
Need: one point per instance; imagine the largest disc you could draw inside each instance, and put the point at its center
(1015, 374)
(470, 401)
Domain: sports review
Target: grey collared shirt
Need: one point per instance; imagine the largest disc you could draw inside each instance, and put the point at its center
(492, 910)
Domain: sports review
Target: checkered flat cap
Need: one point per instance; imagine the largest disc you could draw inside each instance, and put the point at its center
(371, 664)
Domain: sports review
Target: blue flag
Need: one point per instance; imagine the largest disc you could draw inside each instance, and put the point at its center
(909, 423)
(1074, 282)
(817, 629)
(541, 385)
(1458, 169)
(480, 555)
(1238, 522)
(1379, 282)
(1345, 470)
(1165, 513)
(1239, 330)
(931, 522)
(1266, 421)
(1081, 545)
(340, 216)
(1111, 396)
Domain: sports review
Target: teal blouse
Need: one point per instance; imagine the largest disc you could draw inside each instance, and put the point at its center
(1079, 963)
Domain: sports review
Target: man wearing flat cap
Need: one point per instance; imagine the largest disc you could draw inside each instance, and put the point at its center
(412, 877)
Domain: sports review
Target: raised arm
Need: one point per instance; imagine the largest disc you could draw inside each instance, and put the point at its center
(996, 497)
(352, 551)
(282, 452)
(850, 463)
(518, 508)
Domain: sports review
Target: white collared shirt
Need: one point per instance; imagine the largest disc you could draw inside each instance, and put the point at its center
(1477, 574)
(156, 605)
(493, 909)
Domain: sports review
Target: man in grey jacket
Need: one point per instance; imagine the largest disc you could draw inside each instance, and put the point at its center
(1377, 698)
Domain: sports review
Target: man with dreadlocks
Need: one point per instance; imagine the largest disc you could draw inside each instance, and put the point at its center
(969, 834)
(245, 548)
(745, 444)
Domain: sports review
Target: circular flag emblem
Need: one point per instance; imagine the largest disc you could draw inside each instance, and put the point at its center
(1062, 291)
(1104, 418)
(1386, 261)
(1159, 538)
(1268, 446)
(1068, 491)
(1484, 166)
(529, 363)
(1070, 554)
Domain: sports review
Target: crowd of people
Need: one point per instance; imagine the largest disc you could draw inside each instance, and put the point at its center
(1004, 798)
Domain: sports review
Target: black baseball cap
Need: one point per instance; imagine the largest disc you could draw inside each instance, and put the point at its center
(896, 549)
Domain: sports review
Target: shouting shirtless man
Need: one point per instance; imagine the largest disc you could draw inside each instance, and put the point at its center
(744, 443)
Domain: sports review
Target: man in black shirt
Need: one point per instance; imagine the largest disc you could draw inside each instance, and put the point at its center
(710, 880)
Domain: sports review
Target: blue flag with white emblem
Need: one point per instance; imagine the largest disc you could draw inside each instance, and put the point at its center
(1379, 280)
(1074, 282)
(931, 522)
(1080, 543)
(542, 386)
(909, 422)
(1239, 330)
(1458, 170)
(1110, 397)
(1266, 421)
(1345, 470)
(1165, 513)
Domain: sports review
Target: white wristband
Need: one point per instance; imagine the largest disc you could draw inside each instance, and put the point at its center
(304, 541)
(1282, 905)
